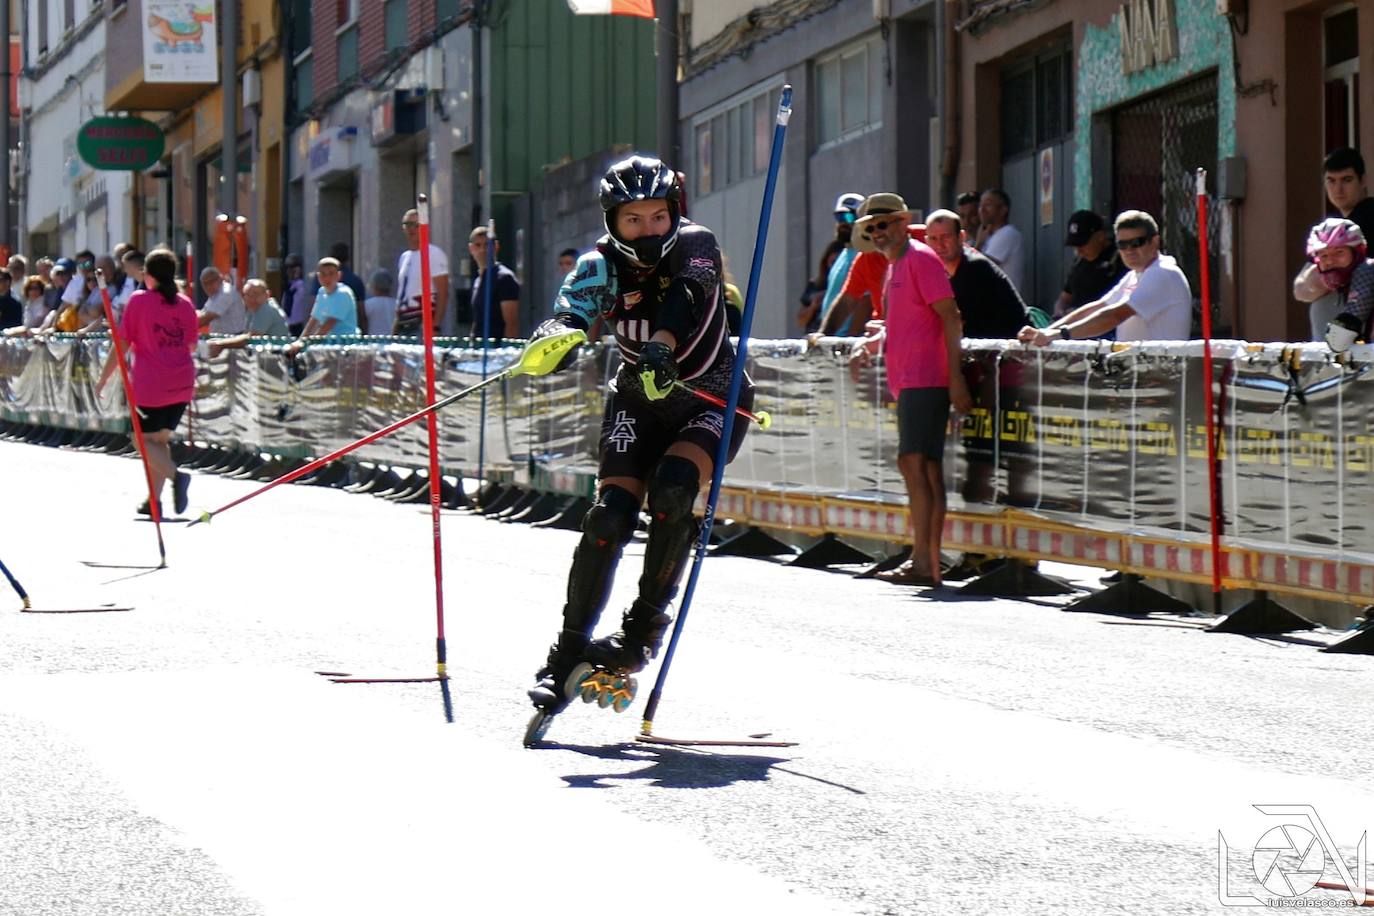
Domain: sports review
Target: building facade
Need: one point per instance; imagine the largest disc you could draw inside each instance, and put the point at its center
(64, 204)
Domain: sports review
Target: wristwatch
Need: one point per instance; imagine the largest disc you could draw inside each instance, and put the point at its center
(1064, 333)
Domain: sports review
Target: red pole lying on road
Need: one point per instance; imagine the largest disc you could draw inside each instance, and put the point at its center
(118, 344)
(1213, 483)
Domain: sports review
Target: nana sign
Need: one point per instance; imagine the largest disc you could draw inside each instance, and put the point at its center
(120, 144)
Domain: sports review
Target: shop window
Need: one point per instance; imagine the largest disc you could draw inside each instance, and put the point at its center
(732, 143)
(1341, 95)
(849, 92)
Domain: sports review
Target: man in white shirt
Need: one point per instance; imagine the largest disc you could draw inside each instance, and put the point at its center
(999, 239)
(1151, 301)
(223, 312)
(409, 304)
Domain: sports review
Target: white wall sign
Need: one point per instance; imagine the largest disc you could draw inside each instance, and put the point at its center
(1148, 36)
(179, 42)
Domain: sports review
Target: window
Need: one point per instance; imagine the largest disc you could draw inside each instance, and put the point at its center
(1037, 102)
(445, 10)
(348, 53)
(301, 24)
(68, 15)
(42, 28)
(304, 71)
(1341, 55)
(345, 11)
(396, 24)
(732, 142)
(849, 91)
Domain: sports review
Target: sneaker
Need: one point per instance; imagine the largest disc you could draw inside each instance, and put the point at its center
(180, 485)
(144, 510)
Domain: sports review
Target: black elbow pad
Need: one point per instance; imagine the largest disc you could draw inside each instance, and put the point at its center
(683, 307)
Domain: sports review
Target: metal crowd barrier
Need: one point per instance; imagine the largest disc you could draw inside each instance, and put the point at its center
(1086, 452)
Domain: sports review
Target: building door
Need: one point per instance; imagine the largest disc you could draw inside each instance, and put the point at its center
(1158, 143)
(1037, 164)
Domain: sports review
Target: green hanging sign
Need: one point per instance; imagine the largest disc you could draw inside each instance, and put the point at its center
(120, 144)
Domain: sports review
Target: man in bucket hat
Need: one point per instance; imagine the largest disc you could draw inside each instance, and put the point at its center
(920, 338)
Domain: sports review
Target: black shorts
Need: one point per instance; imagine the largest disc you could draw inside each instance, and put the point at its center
(154, 419)
(922, 419)
(636, 433)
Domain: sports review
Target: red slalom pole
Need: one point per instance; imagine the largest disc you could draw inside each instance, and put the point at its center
(436, 482)
(1213, 482)
(118, 344)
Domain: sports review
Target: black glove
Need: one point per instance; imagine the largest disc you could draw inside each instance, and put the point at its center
(657, 369)
(554, 326)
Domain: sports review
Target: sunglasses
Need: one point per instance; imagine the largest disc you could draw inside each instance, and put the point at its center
(1128, 244)
(880, 225)
(844, 216)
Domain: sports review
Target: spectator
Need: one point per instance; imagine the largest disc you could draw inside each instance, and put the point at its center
(76, 291)
(335, 313)
(223, 311)
(131, 261)
(339, 252)
(35, 304)
(1338, 251)
(567, 260)
(18, 266)
(967, 207)
(999, 239)
(265, 318)
(861, 297)
(989, 304)
(160, 329)
(91, 312)
(294, 300)
(846, 211)
(920, 337)
(1343, 177)
(44, 270)
(1097, 267)
(1151, 302)
(505, 304)
(809, 315)
(410, 301)
(11, 310)
(62, 272)
(379, 309)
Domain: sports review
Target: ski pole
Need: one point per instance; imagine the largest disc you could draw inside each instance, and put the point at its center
(436, 482)
(731, 405)
(540, 357)
(762, 417)
(23, 595)
(118, 344)
(488, 289)
(1213, 496)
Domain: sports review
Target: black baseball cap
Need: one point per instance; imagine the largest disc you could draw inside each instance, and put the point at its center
(1082, 225)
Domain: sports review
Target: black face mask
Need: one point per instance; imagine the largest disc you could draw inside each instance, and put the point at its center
(648, 249)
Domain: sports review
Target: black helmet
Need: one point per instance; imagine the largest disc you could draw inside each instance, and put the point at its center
(642, 178)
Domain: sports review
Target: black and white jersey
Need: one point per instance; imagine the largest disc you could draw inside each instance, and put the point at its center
(605, 284)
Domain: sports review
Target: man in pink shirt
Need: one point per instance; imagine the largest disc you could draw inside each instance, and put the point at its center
(921, 343)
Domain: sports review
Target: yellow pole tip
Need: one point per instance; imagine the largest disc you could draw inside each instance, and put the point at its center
(765, 419)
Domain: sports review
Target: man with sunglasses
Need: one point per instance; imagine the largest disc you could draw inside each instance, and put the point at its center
(409, 299)
(1151, 301)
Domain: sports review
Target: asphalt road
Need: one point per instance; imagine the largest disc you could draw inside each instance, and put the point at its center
(960, 756)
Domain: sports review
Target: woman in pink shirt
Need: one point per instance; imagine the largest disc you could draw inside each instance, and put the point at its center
(159, 329)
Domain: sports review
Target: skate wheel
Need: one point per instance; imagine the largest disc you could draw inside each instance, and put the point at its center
(624, 694)
(582, 682)
(606, 684)
(538, 727)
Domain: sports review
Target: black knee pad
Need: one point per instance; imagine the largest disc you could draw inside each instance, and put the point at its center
(673, 489)
(611, 520)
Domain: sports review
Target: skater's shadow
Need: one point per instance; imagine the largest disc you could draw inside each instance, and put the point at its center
(683, 768)
(670, 768)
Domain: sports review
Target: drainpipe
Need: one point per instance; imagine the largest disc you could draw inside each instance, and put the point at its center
(667, 82)
(229, 104)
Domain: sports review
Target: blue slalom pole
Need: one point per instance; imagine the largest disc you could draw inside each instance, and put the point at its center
(731, 405)
(488, 287)
(23, 595)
